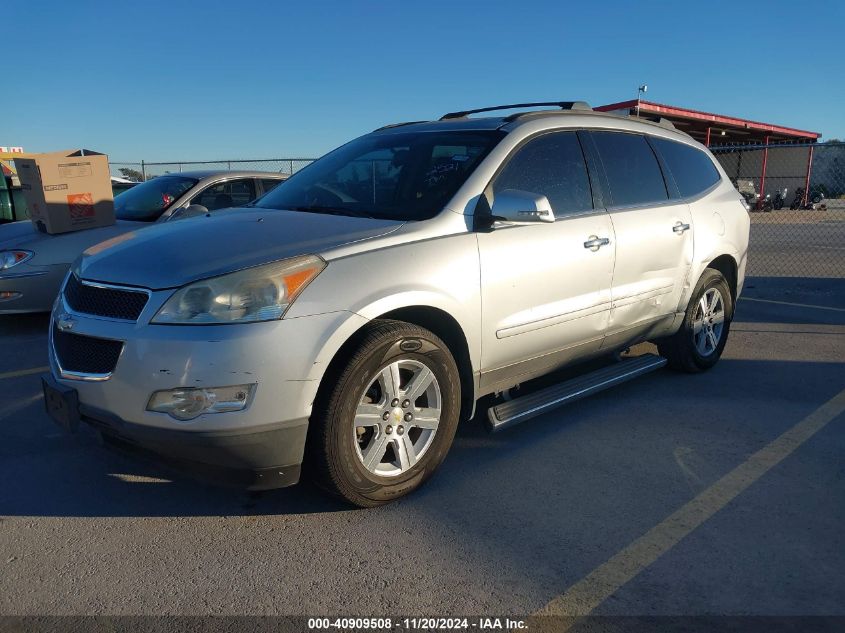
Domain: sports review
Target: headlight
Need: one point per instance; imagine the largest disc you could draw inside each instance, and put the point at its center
(262, 293)
(13, 258)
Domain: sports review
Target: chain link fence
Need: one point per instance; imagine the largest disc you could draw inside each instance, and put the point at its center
(145, 170)
(797, 197)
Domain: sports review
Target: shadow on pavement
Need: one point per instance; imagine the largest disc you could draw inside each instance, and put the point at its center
(570, 457)
(814, 301)
(24, 324)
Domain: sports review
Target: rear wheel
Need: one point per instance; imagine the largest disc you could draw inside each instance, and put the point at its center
(385, 421)
(699, 343)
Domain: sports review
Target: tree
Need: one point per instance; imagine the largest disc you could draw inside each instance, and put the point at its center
(131, 174)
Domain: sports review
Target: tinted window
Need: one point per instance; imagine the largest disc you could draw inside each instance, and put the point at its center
(632, 170)
(401, 176)
(691, 168)
(551, 165)
(233, 193)
(145, 202)
(269, 184)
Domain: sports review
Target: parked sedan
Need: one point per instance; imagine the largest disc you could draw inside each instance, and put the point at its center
(33, 264)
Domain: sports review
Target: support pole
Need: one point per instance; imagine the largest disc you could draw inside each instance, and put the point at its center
(763, 175)
(143, 170)
(806, 197)
(707, 140)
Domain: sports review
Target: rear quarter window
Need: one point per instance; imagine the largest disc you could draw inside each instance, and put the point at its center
(270, 183)
(692, 168)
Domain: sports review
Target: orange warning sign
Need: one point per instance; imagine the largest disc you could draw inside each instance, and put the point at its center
(81, 205)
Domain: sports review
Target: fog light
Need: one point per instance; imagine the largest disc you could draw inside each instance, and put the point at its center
(8, 295)
(189, 402)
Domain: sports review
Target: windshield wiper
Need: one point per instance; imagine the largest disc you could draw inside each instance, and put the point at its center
(332, 211)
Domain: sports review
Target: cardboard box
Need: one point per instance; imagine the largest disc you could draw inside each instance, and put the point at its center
(67, 191)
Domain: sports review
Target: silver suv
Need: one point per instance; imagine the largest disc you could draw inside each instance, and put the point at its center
(348, 319)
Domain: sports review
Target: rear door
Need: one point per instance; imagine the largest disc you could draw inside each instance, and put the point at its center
(654, 244)
(545, 294)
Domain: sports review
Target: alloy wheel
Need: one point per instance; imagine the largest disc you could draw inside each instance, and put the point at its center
(709, 322)
(397, 418)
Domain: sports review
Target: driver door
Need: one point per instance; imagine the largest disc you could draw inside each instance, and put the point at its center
(545, 294)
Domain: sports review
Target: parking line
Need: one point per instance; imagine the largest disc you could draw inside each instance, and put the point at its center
(24, 372)
(794, 305)
(588, 593)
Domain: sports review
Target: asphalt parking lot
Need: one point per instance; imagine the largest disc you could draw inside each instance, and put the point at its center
(614, 505)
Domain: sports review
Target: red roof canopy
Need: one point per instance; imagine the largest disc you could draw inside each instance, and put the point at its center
(722, 129)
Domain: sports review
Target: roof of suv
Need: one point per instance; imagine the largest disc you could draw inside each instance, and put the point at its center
(462, 121)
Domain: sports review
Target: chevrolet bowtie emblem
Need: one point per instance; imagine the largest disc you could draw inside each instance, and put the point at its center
(64, 322)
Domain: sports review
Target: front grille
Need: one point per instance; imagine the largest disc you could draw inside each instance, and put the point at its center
(85, 354)
(114, 303)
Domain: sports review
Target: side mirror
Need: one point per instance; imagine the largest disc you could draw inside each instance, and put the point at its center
(521, 207)
(191, 211)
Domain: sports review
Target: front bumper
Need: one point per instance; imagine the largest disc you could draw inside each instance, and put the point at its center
(259, 447)
(256, 460)
(37, 285)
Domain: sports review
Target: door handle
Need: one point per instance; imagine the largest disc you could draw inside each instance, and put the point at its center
(595, 243)
(680, 227)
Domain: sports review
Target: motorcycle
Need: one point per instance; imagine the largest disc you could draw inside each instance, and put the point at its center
(813, 198)
(780, 199)
(748, 191)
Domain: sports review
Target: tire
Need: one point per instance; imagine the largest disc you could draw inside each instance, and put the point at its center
(348, 430)
(685, 350)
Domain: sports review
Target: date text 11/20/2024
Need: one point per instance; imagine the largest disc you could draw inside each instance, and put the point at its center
(421, 623)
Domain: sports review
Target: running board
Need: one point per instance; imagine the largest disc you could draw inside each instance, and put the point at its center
(520, 409)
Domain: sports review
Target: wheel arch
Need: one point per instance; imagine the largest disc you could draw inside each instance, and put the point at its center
(727, 265)
(437, 321)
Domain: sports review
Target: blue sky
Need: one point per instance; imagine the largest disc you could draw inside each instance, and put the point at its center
(218, 80)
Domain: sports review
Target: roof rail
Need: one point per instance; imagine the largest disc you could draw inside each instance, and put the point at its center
(563, 105)
(390, 125)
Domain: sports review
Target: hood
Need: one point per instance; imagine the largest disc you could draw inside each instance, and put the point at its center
(175, 253)
(63, 248)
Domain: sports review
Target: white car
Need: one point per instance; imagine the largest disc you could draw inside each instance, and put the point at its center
(33, 264)
(349, 319)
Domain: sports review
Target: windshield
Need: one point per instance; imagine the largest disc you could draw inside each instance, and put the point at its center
(408, 176)
(147, 201)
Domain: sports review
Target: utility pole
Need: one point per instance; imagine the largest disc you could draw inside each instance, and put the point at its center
(640, 91)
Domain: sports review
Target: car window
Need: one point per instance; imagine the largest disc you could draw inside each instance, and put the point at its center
(146, 201)
(399, 176)
(551, 165)
(269, 183)
(692, 169)
(632, 169)
(231, 193)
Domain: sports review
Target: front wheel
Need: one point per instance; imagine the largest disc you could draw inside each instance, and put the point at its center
(384, 422)
(699, 342)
